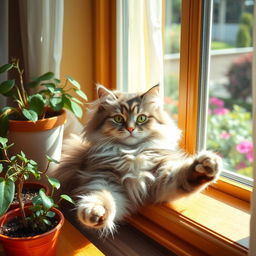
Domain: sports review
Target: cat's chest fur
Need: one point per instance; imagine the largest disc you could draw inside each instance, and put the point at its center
(134, 167)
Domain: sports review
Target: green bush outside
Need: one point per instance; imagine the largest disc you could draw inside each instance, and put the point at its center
(243, 38)
(244, 34)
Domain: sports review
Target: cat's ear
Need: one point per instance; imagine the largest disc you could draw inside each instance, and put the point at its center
(103, 92)
(152, 95)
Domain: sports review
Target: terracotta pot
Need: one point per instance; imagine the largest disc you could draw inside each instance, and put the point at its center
(32, 185)
(40, 245)
(38, 139)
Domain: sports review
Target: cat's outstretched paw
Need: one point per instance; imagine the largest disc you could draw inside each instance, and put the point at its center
(92, 212)
(207, 168)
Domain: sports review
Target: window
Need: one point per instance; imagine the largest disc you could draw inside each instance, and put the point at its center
(230, 88)
(172, 56)
(200, 227)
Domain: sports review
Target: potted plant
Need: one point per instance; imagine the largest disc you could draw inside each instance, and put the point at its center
(31, 229)
(38, 117)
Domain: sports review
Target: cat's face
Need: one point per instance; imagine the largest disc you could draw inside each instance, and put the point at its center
(128, 118)
(128, 121)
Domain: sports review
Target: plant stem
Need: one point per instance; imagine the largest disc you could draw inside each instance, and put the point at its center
(23, 91)
(6, 156)
(21, 203)
(46, 169)
(66, 82)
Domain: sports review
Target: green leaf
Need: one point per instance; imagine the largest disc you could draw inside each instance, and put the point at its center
(3, 141)
(5, 67)
(54, 182)
(57, 81)
(7, 189)
(26, 176)
(4, 125)
(32, 162)
(23, 154)
(1, 168)
(37, 200)
(33, 84)
(73, 99)
(50, 160)
(30, 114)
(36, 81)
(6, 86)
(76, 109)
(56, 103)
(50, 86)
(47, 222)
(50, 214)
(73, 81)
(68, 198)
(36, 103)
(12, 93)
(22, 157)
(73, 106)
(39, 212)
(81, 94)
(47, 201)
(44, 77)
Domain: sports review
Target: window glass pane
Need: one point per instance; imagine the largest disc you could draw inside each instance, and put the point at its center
(172, 55)
(230, 92)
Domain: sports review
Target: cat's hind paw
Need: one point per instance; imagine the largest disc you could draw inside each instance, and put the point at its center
(207, 168)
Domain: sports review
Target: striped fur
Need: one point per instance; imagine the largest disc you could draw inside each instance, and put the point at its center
(117, 167)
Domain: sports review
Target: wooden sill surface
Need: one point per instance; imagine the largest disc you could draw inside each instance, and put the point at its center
(72, 243)
(211, 223)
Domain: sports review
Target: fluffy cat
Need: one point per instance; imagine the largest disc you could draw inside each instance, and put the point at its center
(130, 156)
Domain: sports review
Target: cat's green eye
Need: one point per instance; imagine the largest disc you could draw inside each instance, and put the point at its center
(118, 119)
(141, 119)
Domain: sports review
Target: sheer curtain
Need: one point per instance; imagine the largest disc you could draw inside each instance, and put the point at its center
(42, 36)
(41, 30)
(140, 47)
(252, 251)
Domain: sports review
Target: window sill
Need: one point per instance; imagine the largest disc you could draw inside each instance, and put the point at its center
(211, 223)
(72, 243)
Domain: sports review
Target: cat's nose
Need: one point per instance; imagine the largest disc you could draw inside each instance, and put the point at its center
(130, 129)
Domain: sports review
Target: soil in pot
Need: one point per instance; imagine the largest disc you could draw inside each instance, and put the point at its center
(27, 195)
(29, 191)
(15, 228)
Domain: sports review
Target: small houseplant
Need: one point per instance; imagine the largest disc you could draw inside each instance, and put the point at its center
(22, 228)
(38, 117)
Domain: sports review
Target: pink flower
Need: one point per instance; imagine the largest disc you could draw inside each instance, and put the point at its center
(249, 156)
(225, 135)
(221, 111)
(241, 165)
(217, 102)
(244, 147)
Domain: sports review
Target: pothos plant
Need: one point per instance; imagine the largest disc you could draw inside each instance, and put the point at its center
(15, 171)
(51, 95)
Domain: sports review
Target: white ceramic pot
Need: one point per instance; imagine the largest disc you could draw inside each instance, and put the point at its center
(38, 139)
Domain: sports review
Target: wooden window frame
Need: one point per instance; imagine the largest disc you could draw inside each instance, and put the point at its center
(167, 224)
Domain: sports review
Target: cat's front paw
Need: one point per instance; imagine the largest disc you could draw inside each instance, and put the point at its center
(206, 168)
(92, 212)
